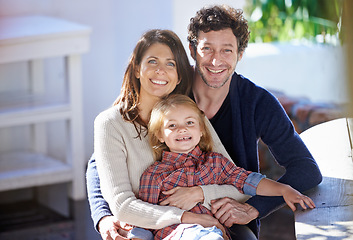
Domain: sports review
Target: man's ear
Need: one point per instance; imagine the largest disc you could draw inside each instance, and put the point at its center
(192, 51)
(240, 56)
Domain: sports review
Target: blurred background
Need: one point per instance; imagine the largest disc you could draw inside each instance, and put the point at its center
(297, 50)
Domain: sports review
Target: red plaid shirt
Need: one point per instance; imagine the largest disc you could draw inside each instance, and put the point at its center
(187, 170)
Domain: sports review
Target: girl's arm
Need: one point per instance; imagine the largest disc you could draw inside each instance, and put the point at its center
(289, 194)
(268, 187)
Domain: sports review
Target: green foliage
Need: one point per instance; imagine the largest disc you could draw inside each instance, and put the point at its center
(286, 20)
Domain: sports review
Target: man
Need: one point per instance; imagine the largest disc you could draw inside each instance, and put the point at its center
(241, 113)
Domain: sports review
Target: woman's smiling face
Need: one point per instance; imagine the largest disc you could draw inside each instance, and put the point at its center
(157, 72)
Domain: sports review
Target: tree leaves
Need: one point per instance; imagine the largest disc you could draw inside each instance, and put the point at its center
(287, 20)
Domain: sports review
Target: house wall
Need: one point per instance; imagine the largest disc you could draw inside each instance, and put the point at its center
(316, 72)
(117, 25)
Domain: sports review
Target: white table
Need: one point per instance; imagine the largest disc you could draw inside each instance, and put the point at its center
(331, 145)
(32, 39)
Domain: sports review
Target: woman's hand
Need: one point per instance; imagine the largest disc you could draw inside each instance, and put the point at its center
(183, 197)
(292, 196)
(204, 220)
(110, 228)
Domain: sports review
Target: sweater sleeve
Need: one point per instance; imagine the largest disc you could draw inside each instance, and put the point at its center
(114, 147)
(215, 191)
(98, 206)
(277, 132)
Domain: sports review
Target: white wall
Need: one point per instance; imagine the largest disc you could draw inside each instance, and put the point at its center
(313, 71)
(117, 25)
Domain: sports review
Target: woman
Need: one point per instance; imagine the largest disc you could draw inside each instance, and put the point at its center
(158, 66)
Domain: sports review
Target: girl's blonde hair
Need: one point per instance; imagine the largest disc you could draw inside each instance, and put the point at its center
(159, 112)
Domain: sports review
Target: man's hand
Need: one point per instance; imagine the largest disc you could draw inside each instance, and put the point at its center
(111, 229)
(183, 197)
(229, 212)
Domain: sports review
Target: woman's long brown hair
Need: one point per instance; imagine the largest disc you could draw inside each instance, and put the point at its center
(128, 99)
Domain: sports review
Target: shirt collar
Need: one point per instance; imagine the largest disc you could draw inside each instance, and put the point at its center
(181, 157)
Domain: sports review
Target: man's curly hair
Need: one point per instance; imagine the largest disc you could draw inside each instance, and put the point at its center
(219, 17)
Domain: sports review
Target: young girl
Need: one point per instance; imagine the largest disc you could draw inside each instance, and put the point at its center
(182, 147)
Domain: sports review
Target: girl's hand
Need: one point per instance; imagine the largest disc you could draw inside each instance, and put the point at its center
(292, 196)
(183, 197)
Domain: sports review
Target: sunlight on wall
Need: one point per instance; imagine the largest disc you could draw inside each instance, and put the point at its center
(312, 71)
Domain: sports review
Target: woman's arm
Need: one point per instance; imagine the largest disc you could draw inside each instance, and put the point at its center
(121, 158)
(100, 208)
(105, 223)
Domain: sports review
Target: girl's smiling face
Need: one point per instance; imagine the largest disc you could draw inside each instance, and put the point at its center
(181, 129)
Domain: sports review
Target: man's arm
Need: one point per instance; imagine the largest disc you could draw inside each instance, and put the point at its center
(300, 180)
(99, 207)
(278, 133)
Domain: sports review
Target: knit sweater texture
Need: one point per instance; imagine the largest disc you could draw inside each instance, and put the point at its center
(257, 114)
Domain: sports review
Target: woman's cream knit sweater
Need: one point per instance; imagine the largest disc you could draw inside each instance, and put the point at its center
(121, 159)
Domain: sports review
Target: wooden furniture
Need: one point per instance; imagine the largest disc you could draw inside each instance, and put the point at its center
(32, 39)
(331, 145)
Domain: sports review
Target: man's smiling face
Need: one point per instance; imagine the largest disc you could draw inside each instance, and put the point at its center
(216, 57)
